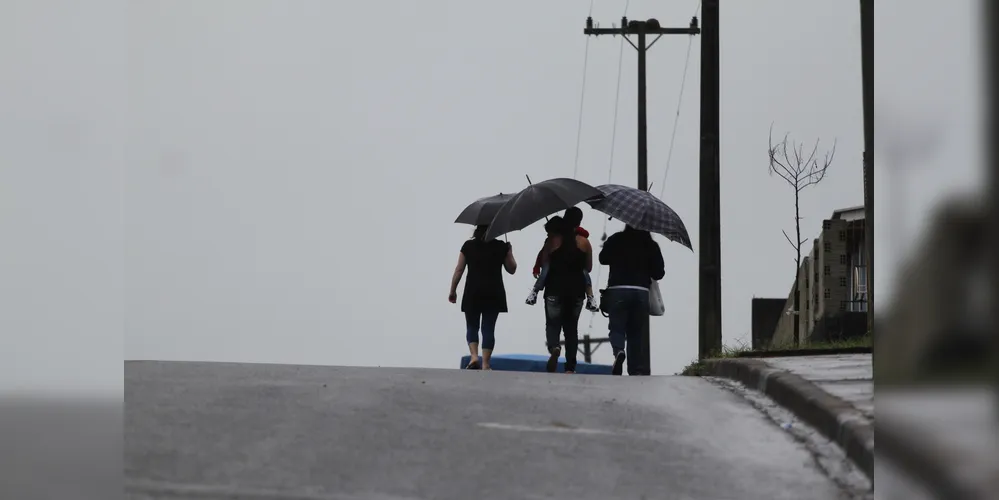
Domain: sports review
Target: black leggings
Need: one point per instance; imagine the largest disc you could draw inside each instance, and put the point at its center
(562, 316)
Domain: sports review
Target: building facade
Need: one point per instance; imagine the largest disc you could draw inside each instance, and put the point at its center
(833, 284)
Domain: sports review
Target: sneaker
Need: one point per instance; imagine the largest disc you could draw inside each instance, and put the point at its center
(532, 298)
(552, 366)
(591, 304)
(619, 363)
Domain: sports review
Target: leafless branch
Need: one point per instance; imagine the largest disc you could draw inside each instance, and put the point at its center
(789, 161)
(789, 239)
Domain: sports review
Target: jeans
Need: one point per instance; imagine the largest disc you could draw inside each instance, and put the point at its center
(563, 315)
(627, 308)
(488, 324)
(540, 283)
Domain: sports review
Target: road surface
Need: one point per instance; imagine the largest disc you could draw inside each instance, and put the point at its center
(214, 431)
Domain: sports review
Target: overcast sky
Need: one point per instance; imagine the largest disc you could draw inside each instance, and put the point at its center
(276, 181)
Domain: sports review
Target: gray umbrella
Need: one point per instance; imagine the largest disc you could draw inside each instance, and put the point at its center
(641, 210)
(482, 210)
(538, 201)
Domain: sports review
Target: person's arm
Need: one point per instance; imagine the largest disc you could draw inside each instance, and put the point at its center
(509, 263)
(537, 263)
(459, 270)
(657, 266)
(584, 245)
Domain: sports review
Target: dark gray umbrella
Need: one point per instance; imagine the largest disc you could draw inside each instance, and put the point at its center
(641, 210)
(482, 210)
(538, 201)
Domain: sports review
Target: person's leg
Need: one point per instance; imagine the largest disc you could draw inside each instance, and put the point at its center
(553, 326)
(472, 338)
(570, 328)
(539, 284)
(591, 303)
(637, 309)
(617, 326)
(488, 337)
(641, 317)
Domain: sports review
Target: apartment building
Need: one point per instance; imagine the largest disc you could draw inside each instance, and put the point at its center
(833, 283)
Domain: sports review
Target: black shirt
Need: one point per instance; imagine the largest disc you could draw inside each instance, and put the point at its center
(484, 291)
(635, 259)
(566, 270)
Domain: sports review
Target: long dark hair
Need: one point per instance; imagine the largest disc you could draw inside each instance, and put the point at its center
(480, 232)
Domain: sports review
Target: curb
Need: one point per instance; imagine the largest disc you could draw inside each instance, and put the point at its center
(804, 352)
(836, 419)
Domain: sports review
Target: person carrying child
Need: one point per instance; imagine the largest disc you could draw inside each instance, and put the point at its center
(554, 227)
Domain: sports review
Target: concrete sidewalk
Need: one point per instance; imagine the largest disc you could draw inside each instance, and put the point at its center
(849, 377)
(944, 438)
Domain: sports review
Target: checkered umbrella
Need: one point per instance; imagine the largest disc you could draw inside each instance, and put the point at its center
(641, 210)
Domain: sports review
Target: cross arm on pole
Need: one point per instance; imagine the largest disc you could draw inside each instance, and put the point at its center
(649, 27)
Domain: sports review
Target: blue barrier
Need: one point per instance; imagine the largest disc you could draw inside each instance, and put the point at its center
(536, 363)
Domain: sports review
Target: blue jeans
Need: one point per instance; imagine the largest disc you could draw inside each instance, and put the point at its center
(562, 315)
(540, 283)
(487, 321)
(627, 308)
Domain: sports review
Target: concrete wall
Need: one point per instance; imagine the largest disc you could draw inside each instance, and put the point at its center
(766, 315)
(784, 332)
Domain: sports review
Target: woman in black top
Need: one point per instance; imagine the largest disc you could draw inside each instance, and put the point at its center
(484, 297)
(570, 258)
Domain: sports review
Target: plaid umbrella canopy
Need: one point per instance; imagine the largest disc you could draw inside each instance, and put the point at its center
(641, 210)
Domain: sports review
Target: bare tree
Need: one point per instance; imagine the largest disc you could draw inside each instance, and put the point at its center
(789, 161)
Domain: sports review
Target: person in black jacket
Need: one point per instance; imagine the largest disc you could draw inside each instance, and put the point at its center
(635, 259)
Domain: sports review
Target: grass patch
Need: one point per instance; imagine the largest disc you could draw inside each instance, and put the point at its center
(744, 349)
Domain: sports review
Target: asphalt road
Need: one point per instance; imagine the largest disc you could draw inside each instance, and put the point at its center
(214, 431)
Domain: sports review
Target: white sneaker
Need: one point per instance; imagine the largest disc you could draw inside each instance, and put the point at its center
(591, 304)
(532, 298)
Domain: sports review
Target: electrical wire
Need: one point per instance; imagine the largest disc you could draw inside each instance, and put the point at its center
(610, 166)
(679, 101)
(582, 99)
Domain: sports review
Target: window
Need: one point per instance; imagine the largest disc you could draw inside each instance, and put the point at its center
(842, 258)
(860, 278)
(826, 224)
(842, 305)
(842, 281)
(827, 293)
(827, 246)
(826, 271)
(842, 236)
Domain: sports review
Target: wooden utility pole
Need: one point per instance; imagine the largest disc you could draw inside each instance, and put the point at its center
(867, 75)
(642, 30)
(709, 325)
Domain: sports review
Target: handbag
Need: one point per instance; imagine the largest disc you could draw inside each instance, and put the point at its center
(656, 305)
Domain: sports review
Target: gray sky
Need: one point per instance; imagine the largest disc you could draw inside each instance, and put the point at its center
(275, 181)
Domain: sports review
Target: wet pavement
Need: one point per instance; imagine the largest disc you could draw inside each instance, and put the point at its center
(849, 376)
(212, 431)
(955, 424)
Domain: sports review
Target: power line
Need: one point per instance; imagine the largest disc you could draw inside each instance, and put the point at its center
(610, 166)
(582, 98)
(679, 102)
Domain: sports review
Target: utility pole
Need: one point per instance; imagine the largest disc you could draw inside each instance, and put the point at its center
(867, 76)
(709, 324)
(642, 30)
